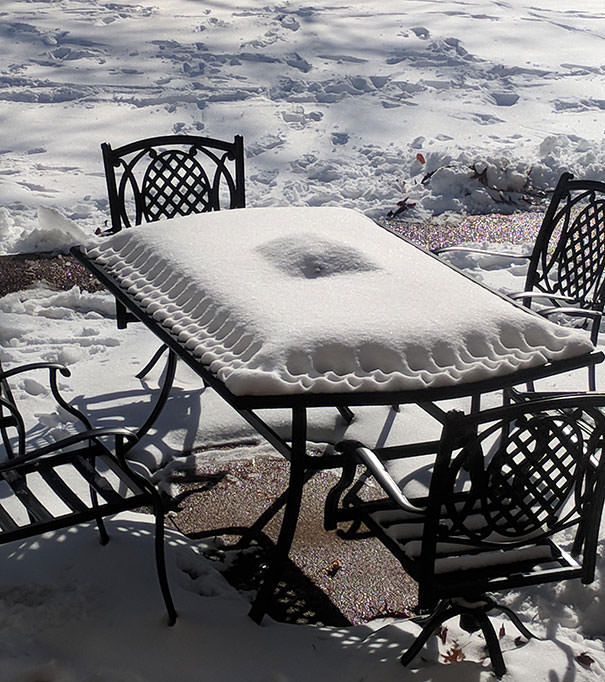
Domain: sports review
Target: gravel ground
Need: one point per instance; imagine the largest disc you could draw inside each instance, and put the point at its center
(328, 580)
(56, 271)
(62, 271)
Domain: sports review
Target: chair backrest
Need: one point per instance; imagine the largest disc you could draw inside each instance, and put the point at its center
(10, 418)
(518, 475)
(569, 253)
(172, 175)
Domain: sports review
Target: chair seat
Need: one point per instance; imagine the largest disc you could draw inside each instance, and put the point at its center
(53, 492)
(406, 530)
(412, 475)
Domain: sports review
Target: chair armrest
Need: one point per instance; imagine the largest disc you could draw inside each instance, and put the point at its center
(587, 313)
(91, 434)
(572, 312)
(483, 252)
(381, 475)
(541, 294)
(52, 366)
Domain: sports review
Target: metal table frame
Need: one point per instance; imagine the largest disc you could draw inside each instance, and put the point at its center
(301, 464)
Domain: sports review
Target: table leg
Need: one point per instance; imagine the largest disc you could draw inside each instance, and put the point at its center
(169, 373)
(291, 511)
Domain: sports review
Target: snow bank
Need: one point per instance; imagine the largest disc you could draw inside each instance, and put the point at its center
(414, 107)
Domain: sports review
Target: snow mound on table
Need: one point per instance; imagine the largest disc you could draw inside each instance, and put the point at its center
(291, 300)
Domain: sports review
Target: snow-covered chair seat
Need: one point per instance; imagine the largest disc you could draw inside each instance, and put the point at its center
(510, 488)
(566, 272)
(47, 484)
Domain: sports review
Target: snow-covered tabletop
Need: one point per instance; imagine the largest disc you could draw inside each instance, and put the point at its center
(322, 300)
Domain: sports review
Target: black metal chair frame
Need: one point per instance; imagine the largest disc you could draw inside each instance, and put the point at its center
(546, 474)
(169, 176)
(165, 177)
(83, 453)
(567, 264)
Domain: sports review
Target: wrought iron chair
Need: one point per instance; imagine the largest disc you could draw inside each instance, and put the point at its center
(503, 485)
(172, 175)
(567, 263)
(46, 486)
(168, 176)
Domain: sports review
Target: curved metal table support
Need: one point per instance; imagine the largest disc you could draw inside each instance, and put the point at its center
(288, 527)
(167, 383)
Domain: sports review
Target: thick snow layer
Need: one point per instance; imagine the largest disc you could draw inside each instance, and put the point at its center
(74, 610)
(446, 106)
(289, 300)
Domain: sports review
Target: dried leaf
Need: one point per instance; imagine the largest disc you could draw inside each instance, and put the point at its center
(402, 206)
(454, 655)
(520, 641)
(333, 568)
(502, 631)
(442, 634)
(420, 158)
(584, 659)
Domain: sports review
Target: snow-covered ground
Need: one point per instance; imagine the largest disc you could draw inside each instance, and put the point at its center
(340, 104)
(350, 104)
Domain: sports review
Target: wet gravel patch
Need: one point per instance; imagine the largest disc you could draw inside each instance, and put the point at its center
(56, 271)
(328, 580)
(61, 271)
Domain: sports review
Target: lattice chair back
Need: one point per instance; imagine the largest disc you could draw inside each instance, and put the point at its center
(569, 254)
(174, 175)
(501, 496)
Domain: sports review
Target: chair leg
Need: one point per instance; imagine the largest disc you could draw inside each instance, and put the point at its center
(346, 413)
(347, 477)
(438, 617)
(471, 619)
(160, 560)
(104, 535)
(493, 646)
(516, 621)
(592, 380)
(94, 499)
(151, 364)
(169, 372)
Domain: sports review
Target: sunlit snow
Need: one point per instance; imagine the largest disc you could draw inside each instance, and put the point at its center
(374, 106)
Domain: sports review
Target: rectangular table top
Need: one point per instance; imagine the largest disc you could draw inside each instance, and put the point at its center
(291, 301)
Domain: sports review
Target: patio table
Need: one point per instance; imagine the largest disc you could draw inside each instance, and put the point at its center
(304, 307)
